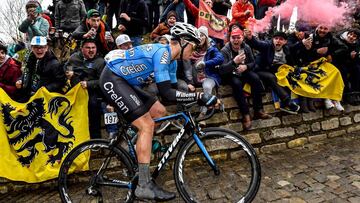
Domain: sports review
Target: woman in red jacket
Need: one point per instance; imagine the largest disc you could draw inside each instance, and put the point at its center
(9, 72)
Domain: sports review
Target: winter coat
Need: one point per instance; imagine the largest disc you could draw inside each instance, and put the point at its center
(138, 12)
(267, 53)
(229, 65)
(9, 73)
(238, 12)
(50, 75)
(103, 47)
(40, 27)
(336, 49)
(86, 70)
(68, 16)
(160, 30)
(213, 58)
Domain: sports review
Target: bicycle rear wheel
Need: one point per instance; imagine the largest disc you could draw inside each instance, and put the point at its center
(107, 176)
(239, 169)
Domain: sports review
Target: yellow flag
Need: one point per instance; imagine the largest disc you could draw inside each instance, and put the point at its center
(37, 135)
(319, 79)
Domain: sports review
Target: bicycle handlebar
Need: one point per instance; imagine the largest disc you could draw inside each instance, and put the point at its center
(209, 114)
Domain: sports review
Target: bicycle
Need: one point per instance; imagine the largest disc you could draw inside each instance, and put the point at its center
(204, 158)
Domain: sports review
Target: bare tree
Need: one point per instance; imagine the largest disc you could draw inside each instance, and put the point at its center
(12, 13)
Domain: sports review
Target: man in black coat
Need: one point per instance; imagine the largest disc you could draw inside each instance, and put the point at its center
(42, 70)
(85, 67)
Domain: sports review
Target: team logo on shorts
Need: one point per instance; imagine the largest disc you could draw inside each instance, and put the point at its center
(136, 100)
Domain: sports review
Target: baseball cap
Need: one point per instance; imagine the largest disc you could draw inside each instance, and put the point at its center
(280, 34)
(122, 39)
(38, 41)
(93, 13)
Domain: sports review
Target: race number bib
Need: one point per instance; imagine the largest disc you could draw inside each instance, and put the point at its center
(111, 118)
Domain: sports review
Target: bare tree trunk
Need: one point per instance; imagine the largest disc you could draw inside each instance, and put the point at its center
(12, 13)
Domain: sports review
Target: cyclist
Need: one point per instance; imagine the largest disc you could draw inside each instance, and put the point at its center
(126, 71)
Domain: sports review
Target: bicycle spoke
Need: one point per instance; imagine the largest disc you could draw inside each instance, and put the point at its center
(108, 178)
(238, 172)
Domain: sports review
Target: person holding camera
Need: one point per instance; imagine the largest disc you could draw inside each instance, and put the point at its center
(350, 63)
(237, 69)
(34, 24)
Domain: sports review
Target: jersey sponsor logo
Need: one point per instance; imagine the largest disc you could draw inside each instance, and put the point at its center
(148, 80)
(147, 47)
(115, 54)
(131, 52)
(136, 100)
(132, 69)
(118, 100)
(164, 58)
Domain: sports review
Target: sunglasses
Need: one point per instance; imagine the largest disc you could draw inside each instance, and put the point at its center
(194, 46)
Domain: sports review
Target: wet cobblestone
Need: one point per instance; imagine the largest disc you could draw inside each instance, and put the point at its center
(325, 171)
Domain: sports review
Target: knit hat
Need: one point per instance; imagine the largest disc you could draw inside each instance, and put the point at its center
(204, 30)
(171, 13)
(236, 32)
(93, 13)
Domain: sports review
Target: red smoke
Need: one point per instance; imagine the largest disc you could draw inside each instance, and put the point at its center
(312, 11)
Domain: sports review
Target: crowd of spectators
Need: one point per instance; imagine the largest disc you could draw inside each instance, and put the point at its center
(240, 59)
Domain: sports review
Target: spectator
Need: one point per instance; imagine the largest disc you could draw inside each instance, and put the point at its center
(205, 60)
(134, 17)
(85, 67)
(273, 54)
(350, 62)
(9, 72)
(194, 10)
(154, 13)
(178, 7)
(263, 6)
(112, 8)
(221, 7)
(237, 69)
(123, 42)
(91, 4)
(42, 70)
(34, 24)
(94, 28)
(164, 27)
(321, 43)
(242, 10)
(69, 14)
(297, 37)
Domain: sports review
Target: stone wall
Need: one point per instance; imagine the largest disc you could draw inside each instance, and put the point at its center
(271, 135)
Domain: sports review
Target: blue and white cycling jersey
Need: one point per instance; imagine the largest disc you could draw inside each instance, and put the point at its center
(143, 64)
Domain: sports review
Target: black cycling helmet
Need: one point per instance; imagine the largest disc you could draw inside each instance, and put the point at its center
(185, 31)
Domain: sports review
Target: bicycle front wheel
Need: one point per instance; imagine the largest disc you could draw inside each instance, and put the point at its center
(94, 172)
(238, 173)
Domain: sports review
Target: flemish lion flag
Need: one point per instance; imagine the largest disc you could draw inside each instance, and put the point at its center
(37, 135)
(319, 79)
(216, 24)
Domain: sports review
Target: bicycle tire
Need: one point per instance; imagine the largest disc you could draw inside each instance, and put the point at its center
(74, 185)
(240, 171)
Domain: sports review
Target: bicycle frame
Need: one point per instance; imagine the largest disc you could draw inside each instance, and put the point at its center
(190, 127)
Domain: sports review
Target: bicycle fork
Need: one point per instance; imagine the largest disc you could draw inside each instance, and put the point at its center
(201, 146)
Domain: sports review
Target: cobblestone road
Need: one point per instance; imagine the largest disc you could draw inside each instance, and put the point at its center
(318, 172)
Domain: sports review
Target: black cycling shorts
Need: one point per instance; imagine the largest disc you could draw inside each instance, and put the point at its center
(131, 102)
